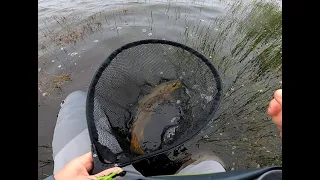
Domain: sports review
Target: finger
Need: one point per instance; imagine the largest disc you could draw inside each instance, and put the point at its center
(278, 120)
(106, 172)
(278, 96)
(274, 107)
(86, 160)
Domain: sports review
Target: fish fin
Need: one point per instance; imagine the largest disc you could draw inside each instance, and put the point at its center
(135, 146)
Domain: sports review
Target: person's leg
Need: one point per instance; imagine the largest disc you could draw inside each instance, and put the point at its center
(208, 166)
(71, 137)
(204, 162)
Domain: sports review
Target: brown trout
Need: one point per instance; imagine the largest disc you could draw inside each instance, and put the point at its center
(145, 110)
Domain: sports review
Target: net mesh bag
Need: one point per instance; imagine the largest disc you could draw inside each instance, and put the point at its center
(148, 97)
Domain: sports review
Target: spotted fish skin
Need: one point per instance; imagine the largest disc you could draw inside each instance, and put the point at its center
(146, 108)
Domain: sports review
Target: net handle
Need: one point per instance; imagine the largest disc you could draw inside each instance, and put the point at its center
(98, 166)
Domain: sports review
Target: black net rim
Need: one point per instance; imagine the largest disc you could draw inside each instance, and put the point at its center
(91, 91)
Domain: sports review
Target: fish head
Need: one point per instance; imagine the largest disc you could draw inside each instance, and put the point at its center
(170, 86)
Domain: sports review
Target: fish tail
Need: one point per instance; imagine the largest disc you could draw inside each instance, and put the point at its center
(135, 146)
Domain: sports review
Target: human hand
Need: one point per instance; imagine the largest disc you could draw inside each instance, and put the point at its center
(78, 169)
(275, 109)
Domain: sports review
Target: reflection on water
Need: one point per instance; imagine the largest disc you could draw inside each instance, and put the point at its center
(242, 39)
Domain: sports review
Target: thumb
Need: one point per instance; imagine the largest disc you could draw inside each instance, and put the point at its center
(106, 172)
(85, 160)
